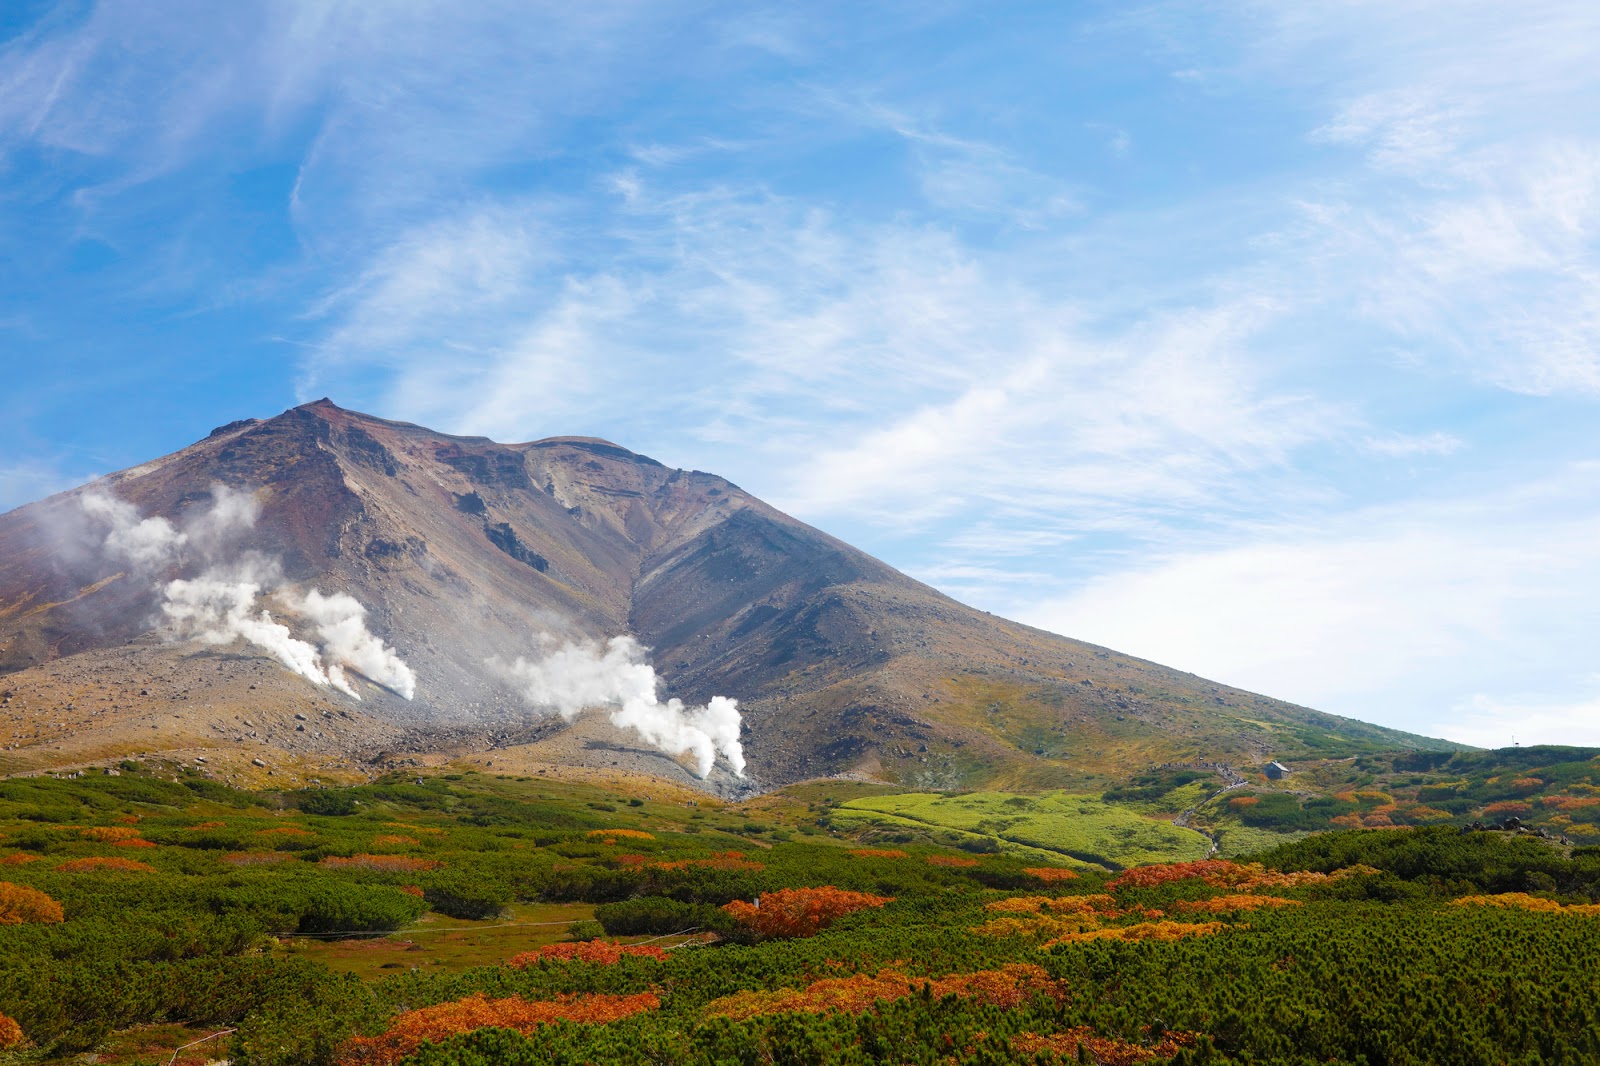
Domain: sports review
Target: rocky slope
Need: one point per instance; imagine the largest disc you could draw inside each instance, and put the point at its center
(463, 550)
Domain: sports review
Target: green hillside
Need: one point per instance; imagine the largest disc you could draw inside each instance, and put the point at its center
(470, 919)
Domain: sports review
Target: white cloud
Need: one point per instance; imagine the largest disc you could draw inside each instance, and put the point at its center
(1390, 614)
(1493, 723)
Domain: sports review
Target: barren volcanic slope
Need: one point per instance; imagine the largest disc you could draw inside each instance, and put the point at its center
(463, 550)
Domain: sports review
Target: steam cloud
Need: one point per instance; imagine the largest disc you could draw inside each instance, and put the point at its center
(341, 624)
(222, 603)
(586, 674)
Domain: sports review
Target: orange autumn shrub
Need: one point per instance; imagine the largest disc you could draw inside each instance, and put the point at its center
(108, 834)
(131, 866)
(134, 842)
(431, 830)
(722, 860)
(127, 819)
(255, 858)
(207, 825)
(21, 905)
(1225, 904)
(1420, 813)
(393, 839)
(382, 863)
(1239, 803)
(18, 858)
(1523, 901)
(879, 853)
(611, 836)
(953, 861)
(1099, 903)
(1008, 987)
(412, 890)
(602, 952)
(1568, 803)
(285, 831)
(1508, 807)
(1051, 874)
(1045, 916)
(413, 1028)
(1211, 871)
(1160, 930)
(801, 911)
(1526, 785)
(10, 1032)
(1219, 873)
(1081, 1044)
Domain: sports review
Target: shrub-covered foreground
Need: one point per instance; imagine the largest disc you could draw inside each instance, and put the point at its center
(736, 941)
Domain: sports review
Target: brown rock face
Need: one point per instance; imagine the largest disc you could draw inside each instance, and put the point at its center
(462, 549)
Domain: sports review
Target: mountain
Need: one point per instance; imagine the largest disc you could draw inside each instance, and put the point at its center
(466, 554)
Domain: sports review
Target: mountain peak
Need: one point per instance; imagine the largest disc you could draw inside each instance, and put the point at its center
(460, 552)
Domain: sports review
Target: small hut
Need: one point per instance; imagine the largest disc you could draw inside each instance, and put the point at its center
(1277, 771)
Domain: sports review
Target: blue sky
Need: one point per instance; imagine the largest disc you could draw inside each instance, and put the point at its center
(1260, 338)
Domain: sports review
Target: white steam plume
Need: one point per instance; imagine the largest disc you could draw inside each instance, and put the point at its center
(216, 610)
(587, 674)
(341, 624)
(220, 604)
(144, 544)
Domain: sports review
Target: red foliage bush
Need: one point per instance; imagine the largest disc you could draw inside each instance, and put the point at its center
(384, 863)
(393, 839)
(603, 952)
(207, 825)
(1011, 986)
(954, 861)
(1073, 1044)
(412, 890)
(10, 1032)
(1051, 874)
(78, 866)
(1516, 807)
(18, 858)
(801, 911)
(879, 853)
(1569, 803)
(255, 858)
(1219, 873)
(133, 842)
(412, 1028)
(20, 905)
(611, 836)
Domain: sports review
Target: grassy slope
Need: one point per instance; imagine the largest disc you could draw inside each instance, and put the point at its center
(1054, 825)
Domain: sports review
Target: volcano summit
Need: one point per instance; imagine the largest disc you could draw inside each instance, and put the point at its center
(328, 594)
